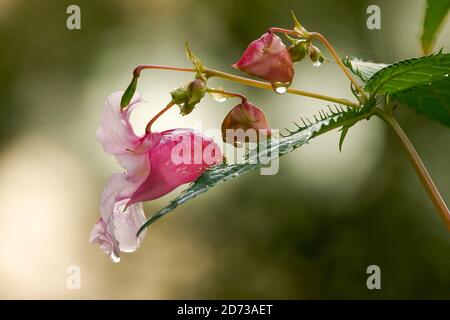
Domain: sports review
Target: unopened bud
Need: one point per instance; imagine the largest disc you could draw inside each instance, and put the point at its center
(267, 58)
(247, 118)
(298, 50)
(188, 96)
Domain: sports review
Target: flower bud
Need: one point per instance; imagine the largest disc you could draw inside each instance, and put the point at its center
(243, 117)
(188, 96)
(196, 91)
(298, 50)
(267, 58)
(316, 56)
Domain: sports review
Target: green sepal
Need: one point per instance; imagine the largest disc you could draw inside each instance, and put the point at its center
(129, 93)
(195, 60)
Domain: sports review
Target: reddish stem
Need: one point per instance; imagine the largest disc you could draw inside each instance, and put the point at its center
(282, 30)
(159, 114)
(138, 69)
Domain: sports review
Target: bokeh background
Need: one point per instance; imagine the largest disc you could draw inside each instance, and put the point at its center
(308, 232)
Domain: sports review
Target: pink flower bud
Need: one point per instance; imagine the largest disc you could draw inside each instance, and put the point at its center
(267, 58)
(249, 120)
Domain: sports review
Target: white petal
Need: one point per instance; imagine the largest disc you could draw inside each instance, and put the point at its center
(126, 225)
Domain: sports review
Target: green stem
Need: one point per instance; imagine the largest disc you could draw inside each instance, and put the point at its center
(338, 60)
(246, 81)
(227, 93)
(332, 51)
(268, 86)
(420, 169)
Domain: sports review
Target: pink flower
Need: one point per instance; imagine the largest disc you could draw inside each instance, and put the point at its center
(245, 116)
(267, 58)
(154, 164)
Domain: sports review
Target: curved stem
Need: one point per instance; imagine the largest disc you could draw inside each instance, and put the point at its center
(159, 114)
(138, 69)
(246, 81)
(227, 93)
(282, 30)
(420, 169)
(338, 60)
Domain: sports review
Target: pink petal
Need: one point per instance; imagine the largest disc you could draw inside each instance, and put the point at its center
(113, 187)
(126, 224)
(102, 235)
(115, 132)
(118, 233)
(180, 157)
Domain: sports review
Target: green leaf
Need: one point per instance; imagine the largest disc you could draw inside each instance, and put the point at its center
(344, 132)
(435, 15)
(407, 74)
(363, 69)
(432, 100)
(327, 120)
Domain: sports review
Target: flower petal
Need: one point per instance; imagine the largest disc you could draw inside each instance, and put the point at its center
(180, 157)
(115, 132)
(118, 233)
(101, 234)
(126, 225)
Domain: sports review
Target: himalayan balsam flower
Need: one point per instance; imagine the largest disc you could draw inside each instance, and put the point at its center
(245, 116)
(153, 168)
(267, 58)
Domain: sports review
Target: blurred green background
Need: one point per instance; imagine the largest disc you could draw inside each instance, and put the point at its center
(308, 232)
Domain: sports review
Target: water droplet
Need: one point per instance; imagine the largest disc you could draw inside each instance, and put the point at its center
(446, 75)
(280, 87)
(218, 96)
(114, 258)
(317, 63)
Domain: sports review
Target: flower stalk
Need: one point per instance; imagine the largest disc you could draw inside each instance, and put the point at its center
(159, 114)
(246, 81)
(419, 167)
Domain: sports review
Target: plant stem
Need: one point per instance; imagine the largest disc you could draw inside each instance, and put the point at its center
(159, 114)
(268, 86)
(246, 81)
(138, 69)
(227, 93)
(420, 169)
(282, 30)
(339, 62)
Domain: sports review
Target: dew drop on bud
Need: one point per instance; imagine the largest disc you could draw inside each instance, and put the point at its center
(317, 63)
(280, 87)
